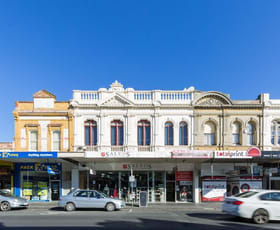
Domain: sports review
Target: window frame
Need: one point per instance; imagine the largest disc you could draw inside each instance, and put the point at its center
(91, 124)
(143, 124)
(183, 140)
(37, 140)
(118, 124)
(52, 144)
(168, 127)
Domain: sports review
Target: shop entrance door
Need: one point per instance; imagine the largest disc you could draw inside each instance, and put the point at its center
(55, 191)
(170, 191)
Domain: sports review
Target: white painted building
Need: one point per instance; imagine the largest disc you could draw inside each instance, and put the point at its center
(126, 132)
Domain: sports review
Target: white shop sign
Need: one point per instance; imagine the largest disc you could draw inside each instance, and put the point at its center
(119, 154)
(227, 154)
(141, 166)
(231, 154)
(192, 154)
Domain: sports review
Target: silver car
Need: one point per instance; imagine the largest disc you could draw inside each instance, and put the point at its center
(8, 201)
(89, 199)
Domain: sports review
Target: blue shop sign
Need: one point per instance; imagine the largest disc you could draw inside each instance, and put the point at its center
(40, 167)
(16, 155)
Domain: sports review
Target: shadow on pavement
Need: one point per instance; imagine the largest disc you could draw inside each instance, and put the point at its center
(142, 224)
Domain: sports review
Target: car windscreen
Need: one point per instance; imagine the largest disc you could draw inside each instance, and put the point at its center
(246, 194)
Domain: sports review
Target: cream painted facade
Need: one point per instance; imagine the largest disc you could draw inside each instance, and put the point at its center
(44, 116)
(225, 115)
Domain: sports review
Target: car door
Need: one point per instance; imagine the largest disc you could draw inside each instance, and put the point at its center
(96, 200)
(81, 199)
(271, 202)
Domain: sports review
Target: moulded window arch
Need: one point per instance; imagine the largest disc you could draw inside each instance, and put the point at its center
(275, 132)
(168, 133)
(210, 133)
(90, 132)
(236, 133)
(251, 130)
(116, 133)
(183, 133)
(144, 132)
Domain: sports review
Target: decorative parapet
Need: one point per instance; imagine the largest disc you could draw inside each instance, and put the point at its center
(137, 97)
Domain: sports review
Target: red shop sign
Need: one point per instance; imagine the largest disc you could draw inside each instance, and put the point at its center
(184, 176)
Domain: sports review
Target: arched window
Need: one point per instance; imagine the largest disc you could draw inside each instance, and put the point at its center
(275, 133)
(183, 135)
(210, 133)
(168, 133)
(116, 133)
(90, 133)
(144, 133)
(251, 133)
(236, 130)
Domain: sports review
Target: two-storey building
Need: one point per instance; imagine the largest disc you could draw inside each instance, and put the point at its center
(43, 128)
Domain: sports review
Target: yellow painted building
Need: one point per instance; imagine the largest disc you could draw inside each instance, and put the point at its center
(43, 124)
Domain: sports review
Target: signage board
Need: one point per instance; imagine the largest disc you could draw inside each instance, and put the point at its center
(214, 190)
(17, 155)
(191, 154)
(40, 167)
(235, 154)
(271, 154)
(143, 199)
(120, 154)
(184, 176)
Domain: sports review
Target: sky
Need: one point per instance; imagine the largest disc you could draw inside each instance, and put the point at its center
(231, 46)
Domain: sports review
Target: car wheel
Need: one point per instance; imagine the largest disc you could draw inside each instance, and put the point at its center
(110, 207)
(5, 206)
(261, 216)
(70, 207)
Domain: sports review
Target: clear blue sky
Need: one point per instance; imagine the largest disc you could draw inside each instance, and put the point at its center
(232, 46)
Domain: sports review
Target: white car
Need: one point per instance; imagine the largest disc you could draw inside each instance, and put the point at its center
(261, 206)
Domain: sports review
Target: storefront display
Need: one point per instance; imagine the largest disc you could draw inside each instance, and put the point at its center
(214, 188)
(184, 188)
(5, 177)
(34, 180)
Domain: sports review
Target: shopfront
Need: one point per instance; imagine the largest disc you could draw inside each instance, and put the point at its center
(38, 181)
(271, 168)
(164, 180)
(230, 172)
(6, 175)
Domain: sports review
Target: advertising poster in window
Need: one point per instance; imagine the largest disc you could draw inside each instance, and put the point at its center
(213, 190)
(247, 185)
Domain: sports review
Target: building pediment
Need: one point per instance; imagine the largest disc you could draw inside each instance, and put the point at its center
(116, 101)
(212, 99)
(43, 94)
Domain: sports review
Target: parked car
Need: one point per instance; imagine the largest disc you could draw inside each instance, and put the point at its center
(89, 199)
(9, 201)
(261, 206)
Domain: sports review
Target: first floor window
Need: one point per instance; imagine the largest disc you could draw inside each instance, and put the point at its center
(183, 134)
(168, 133)
(209, 133)
(144, 133)
(209, 138)
(90, 133)
(116, 133)
(34, 140)
(251, 133)
(56, 140)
